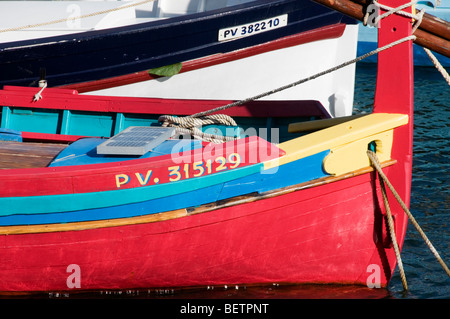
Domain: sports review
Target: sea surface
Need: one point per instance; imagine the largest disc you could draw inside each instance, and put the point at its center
(430, 205)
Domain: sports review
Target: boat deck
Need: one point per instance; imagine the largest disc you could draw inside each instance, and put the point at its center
(27, 155)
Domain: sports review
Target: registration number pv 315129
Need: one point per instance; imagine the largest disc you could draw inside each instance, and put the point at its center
(253, 28)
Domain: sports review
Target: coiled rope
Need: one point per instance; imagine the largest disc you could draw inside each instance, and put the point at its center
(189, 126)
(383, 178)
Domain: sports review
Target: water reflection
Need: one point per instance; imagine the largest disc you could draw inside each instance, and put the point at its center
(305, 291)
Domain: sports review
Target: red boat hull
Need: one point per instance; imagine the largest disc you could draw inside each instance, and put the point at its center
(287, 238)
(330, 230)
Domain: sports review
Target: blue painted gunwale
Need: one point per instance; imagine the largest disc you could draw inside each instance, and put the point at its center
(173, 40)
(158, 198)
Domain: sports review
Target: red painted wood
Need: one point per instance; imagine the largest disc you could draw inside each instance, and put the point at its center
(57, 138)
(70, 100)
(395, 94)
(327, 32)
(395, 70)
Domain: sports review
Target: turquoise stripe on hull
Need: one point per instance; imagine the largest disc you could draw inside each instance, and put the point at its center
(289, 174)
(187, 199)
(84, 201)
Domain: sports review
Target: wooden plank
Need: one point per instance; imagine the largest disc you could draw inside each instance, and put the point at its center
(27, 155)
(57, 99)
(48, 228)
(320, 124)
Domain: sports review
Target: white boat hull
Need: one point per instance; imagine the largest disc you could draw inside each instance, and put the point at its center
(250, 76)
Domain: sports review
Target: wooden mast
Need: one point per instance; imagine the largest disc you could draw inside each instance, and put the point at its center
(395, 94)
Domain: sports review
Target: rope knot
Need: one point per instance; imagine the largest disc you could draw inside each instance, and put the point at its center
(189, 125)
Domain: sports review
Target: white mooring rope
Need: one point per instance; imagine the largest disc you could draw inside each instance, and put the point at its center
(438, 65)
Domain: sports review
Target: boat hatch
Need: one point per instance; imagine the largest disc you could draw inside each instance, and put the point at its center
(135, 140)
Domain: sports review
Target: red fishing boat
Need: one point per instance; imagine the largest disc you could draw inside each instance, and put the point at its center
(94, 215)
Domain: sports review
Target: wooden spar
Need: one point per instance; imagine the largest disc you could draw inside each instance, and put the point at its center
(432, 42)
(433, 33)
(436, 25)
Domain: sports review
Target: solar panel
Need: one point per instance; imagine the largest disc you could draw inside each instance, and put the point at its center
(135, 140)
